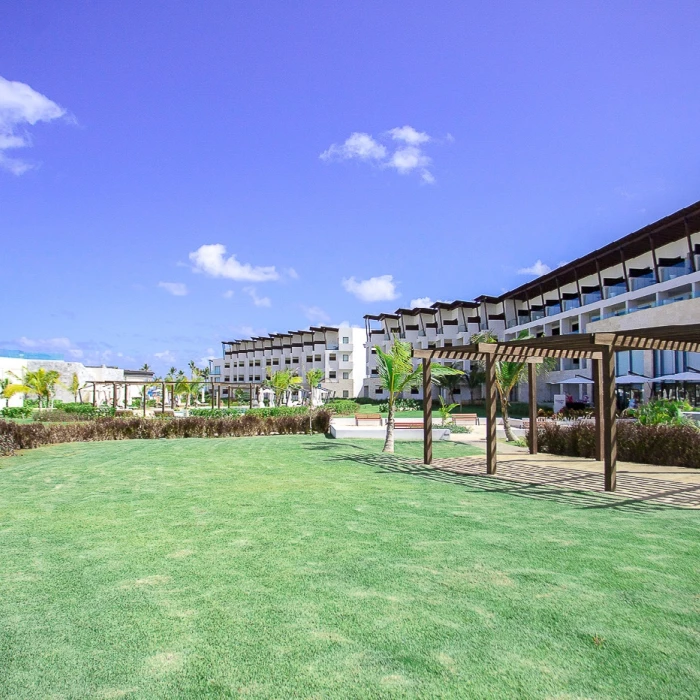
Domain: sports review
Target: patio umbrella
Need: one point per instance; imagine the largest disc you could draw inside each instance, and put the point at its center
(632, 379)
(679, 377)
(578, 379)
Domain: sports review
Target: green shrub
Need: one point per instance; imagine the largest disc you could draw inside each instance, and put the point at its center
(17, 412)
(86, 409)
(342, 407)
(661, 412)
(215, 412)
(276, 411)
(667, 445)
(460, 428)
(402, 405)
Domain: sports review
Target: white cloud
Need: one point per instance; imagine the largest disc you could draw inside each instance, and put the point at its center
(538, 269)
(210, 260)
(165, 356)
(21, 106)
(421, 302)
(357, 145)
(316, 314)
(382, 288)
(407, 157)
(409, 135)
(292, 273)
(177, 289)
(228, 294)
(258, 301)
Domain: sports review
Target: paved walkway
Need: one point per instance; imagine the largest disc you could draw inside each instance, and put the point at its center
(670, 486)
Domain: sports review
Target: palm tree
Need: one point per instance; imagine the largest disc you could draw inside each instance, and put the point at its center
(509, 375)
(146, 367)
(194, 370)
(75, 387)
(475, 378)
(204, 374)
(450, 381)
(281, 382)
(4, 383)
(313, 378)
(40, 382)
(396, 373)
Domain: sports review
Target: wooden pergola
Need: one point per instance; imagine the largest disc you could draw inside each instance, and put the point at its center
(215, 390)
(598, 347)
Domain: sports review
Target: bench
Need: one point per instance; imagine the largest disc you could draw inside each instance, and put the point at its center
(465, 419)
(409, 425)
(367, 418)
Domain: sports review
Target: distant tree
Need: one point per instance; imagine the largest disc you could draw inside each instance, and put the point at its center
(313, 378)
(281, 382)
(74, 387)
(4, 383)
(450, 382)
(474, 379)
(41, 383)
(146, 367)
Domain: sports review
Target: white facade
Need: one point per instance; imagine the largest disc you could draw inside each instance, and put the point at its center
(338, 351)
(654, 268)
(13, 368)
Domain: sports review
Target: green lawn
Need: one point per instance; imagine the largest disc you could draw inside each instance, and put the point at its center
(304, 567)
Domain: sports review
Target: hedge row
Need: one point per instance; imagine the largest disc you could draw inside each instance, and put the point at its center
(663, 445)
(30, 435)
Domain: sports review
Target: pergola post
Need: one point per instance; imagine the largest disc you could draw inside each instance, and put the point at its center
(94, 393)
(126, 396)
(114, 395)
(427, 412)
(144, 400)
(212, 396)
(162, 393)
(598, 408)
(218, 396)
(532, 398)
(490, 414)
(609, 419)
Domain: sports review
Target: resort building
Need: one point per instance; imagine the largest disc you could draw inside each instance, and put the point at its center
(338, 351)
(651, 276)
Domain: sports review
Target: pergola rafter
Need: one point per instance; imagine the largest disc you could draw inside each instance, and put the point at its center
(598, 347)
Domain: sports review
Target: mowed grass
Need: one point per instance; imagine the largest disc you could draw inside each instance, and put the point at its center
(304, 567)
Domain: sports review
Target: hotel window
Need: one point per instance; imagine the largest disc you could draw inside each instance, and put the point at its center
(216, 370)
(332, 374)
(226, 379)
(414, 389)
(346, 375)
(373, 351)
(268, 362)
(379, 391)
(346, 394)
(317, 358)
(346, 340)
(287, 360)
(226, 366)
(346, 358)
(332, 357)
(241, 377)
(257, 363)
(275, 361)
(309, 358)
(295, 360)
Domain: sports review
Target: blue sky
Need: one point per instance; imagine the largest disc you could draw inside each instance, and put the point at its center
(173, 175)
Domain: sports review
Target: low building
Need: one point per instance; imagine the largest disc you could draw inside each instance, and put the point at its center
(338, 351)
(14, 364)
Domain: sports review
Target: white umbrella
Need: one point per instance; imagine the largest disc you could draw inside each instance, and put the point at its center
(578, 379)
(680, 377)
(632, 379)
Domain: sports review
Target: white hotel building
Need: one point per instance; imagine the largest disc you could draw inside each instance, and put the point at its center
(338, 351)
(649, 277)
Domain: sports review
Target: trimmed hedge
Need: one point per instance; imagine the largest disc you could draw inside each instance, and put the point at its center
(343, 407)
(30, 435)
(17, 412)
(663, 445)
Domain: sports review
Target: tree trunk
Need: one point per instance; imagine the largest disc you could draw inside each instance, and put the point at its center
(506, 421)
(390, 423)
